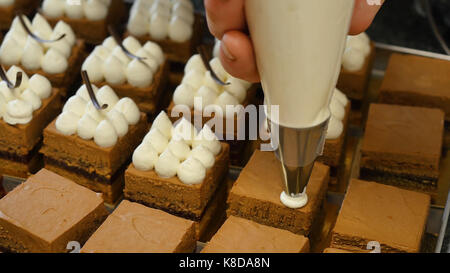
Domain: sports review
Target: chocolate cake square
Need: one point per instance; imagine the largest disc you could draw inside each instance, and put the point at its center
(391, 216)
(47, 212)
(20, 143)
(93, 31)
(256, 195)
(134, 228)
(402, 146)
(238, 235)
(417, 81)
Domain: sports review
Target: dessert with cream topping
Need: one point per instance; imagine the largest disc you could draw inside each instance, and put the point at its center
(24, 113)
(238, 235)
(143, 80)
(357, 63)
(58, 59)
(402, 147)
(46, 212)
(171, 23)
(177, 168)
(9, 8)
(90, 146)
(256, 195)
(88, 18)
(134, 228)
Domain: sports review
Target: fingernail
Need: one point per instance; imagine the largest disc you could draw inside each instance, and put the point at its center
(227, 53)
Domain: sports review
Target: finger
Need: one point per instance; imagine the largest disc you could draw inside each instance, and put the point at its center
(225, 15)
(363, 15)
(238, 57)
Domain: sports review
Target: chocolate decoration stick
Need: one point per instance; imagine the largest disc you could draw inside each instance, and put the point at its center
(34, 36)
(205, 58)
(8, 82)
(116, 37)
(88, 84)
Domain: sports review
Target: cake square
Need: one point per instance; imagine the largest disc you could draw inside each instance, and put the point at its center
(99, 158)
(60, 64)
(7, 13)
(238, 235)
(256, 195)
(402, 146)
(417, 81)
(46, 212)
(92, 30)
(146, 80)
(20, 139)
(394, 217)
(134, 228)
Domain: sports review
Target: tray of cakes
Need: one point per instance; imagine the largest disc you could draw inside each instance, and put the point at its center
(115, 171)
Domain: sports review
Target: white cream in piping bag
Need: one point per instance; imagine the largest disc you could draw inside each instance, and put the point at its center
(19, 48)
(177, 150)
(17, 105)
(161, 19)
(299, 46)
(105, 127)
(93, 10)
(108, 62)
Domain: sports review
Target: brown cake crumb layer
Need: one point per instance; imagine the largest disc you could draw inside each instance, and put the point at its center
(65, 79)
(147, 98)
(8, 13)
(394, 217)
(402, 146)
(354, 84)
(256, 195)
(46, 212)
(93, 32)
(21, 167)
(178, 52)
(134, 228)
(417, 81)
(238, 235)
(74, 151)
(332, 151)
(172, 195)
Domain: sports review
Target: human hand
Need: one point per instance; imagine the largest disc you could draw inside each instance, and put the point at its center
(226, 21)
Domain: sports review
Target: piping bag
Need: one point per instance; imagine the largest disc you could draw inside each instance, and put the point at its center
(298, 46)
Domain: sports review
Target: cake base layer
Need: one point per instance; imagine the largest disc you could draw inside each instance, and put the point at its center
(21, 168)
(110, 192)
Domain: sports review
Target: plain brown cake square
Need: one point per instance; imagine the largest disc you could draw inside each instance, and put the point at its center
(394, 217)
(238, 235)
(134, 228)
(417, 81)
(47, 212)
(256, 195)
(402, 146)
(20, 143)
(86, 163)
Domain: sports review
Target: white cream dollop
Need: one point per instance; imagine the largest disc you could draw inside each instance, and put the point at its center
(104, 126)
(167, 164)
(208, 139)
(145, 157)
(204, 155)
(191, 171)
(93, 10)
(356, 51)
(163, 124)
(157, 140)
(337, 108)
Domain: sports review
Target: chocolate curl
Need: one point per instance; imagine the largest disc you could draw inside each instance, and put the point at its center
(34, 36)
(116, 37)
(205, 58)
(8, 82)
(88, 84)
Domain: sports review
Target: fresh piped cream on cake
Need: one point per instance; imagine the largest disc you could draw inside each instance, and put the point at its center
(93, 10)
(106, 126)
(356, 51)
(6, 3)
(198, 82)
(108, 62)
(162, 19)
(177, 150)
(20, 48)
(17, 105)
(337, 108)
